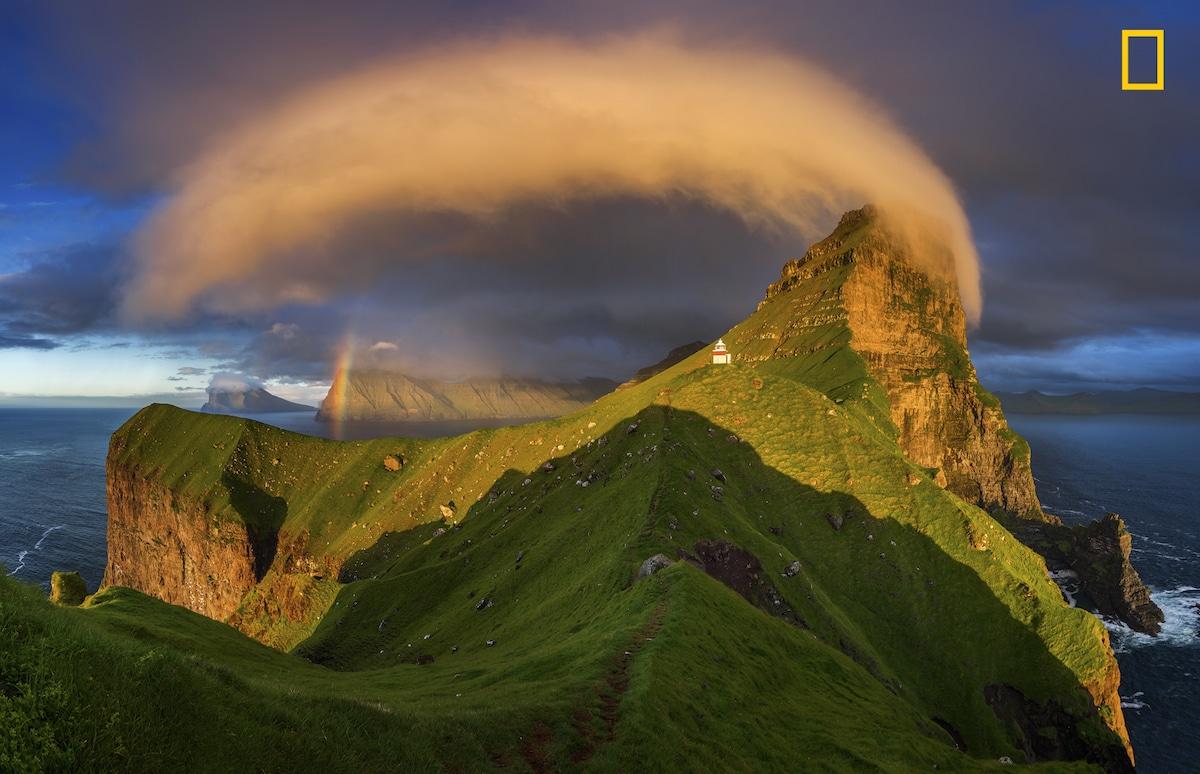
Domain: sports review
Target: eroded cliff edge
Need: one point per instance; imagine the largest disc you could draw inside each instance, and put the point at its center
(173, 548)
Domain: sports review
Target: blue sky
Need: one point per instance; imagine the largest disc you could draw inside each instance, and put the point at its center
(1082, 197)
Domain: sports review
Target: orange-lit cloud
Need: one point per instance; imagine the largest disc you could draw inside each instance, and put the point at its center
(480, 127)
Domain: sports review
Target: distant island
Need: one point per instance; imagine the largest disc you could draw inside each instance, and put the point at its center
(388, 396)
(1140, 401)
(249, 400)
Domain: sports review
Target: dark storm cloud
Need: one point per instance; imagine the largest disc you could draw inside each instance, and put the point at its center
(601, 290)
(67, 292)
(1083, 197)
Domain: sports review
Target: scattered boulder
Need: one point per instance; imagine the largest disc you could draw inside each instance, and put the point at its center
(792, 570)
(775, 530)
(490, 643)
(632, 428)
(484, 603)
(67, 588)
(393, 463)
(977, 538)
(913, 479)
(718, 492)
(653, 565)
(742, 571)
(835, 520)
(548, 466)
(718, 475)
(448, 510)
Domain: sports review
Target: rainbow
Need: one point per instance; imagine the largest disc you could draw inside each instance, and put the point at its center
(343, 360)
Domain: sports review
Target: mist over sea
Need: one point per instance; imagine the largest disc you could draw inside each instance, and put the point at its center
(52, 517)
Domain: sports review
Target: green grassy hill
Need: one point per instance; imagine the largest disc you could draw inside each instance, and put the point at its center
(474, 602)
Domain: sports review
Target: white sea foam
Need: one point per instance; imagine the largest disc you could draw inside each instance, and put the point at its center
(1180, 628)
(17, 454)
(1134, 702)
(1068, 583)
(37, 546)
(1070, 511)
(20, 563)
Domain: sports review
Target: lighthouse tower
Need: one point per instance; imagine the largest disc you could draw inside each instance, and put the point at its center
(720, 355)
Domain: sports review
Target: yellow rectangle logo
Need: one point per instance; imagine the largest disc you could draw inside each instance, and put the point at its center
(1157, 84)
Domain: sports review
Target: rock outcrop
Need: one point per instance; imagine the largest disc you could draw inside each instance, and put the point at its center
(67, 588)
(1098, 554)
(172, 548)
(1047, 732)
(907, 324)
(386, 396)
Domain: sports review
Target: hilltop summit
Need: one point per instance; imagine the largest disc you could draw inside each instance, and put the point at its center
(863, 286)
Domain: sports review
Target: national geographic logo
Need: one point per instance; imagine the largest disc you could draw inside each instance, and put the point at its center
(1141, 35)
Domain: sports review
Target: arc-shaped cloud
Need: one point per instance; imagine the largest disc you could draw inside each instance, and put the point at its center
(478, 127)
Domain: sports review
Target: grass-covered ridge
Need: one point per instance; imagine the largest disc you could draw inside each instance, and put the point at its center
(904, 621)
(562, 616)
(473, 602)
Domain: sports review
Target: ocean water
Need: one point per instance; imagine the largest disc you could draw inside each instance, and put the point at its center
(1148, 470)
(52, 511)
(52, 516)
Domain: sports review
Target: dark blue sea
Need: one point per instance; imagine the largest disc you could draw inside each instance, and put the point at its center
(1148, 470)
(1145, 468)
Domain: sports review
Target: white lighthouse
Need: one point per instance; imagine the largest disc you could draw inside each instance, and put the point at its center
(721, 355)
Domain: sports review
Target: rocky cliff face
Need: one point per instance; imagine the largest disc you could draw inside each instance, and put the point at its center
(1098, 555)
(384, 396)
(171, 548)
(909, 328)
